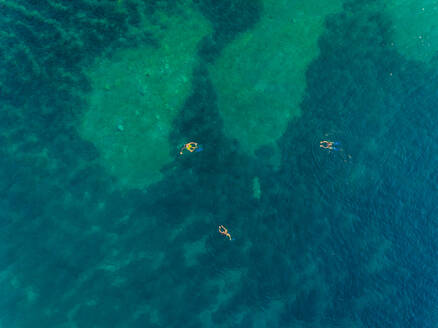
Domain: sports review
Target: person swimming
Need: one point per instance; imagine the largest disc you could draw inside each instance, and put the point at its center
(224, 231)
(330, 145)
(191, 147)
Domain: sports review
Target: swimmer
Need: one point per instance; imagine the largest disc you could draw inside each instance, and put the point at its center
(330, 145)
(191, 147)
(224, 231)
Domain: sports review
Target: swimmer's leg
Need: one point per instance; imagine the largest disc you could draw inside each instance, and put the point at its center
(199, 148)
(336, 143)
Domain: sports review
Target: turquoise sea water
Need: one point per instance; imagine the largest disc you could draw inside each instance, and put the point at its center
(320, 238)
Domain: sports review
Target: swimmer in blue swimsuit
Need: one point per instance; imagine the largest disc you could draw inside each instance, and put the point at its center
(330, 145)
(191, 147)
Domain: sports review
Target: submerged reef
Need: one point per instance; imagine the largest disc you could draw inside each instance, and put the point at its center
(229, 18)
(414, 28)
(45, 42)
(260, 75)
(136, 95)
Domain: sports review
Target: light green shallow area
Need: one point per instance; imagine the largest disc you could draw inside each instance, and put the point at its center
(415, 27)
(260, 76)
(137, 94)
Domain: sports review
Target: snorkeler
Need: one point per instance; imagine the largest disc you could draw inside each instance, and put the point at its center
(330, 145)
(224, 231)
(191, 147)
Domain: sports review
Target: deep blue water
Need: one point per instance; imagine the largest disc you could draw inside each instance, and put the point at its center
(334, 241)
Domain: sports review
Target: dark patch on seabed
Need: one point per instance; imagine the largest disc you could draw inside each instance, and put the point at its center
(334, 241)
